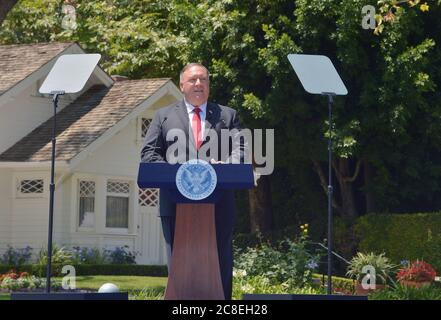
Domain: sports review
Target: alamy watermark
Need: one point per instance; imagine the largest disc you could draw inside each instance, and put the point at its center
(231, 146)
(368, 21)
(369, 281)
(69, 280)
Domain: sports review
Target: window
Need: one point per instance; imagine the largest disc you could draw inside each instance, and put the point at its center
(148, 197)
(145, 124)
(86, 204)
(32, 188)
(117, 204)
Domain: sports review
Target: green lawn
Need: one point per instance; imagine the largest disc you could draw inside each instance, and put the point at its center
(4, 296)
(124, 283)
(142, 287)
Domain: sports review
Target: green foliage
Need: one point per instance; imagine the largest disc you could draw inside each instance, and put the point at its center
(339, 284)
(121, 255)
(16, 257)
(381, 264)
(60, 257)
(402, 236)
(286, 262)
(90, 269)
(400, 292)
(23, 283)
(87, 255)
(262, 285)
(389, 120)
(155, 293)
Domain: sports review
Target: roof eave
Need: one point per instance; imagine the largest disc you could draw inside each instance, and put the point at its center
(59, 164)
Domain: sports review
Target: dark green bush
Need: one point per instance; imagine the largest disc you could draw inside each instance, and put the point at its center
(339, 284)
(90, 269)
(402, 236)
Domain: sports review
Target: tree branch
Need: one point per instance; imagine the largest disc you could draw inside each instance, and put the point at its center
(324, 182)
(355, 175)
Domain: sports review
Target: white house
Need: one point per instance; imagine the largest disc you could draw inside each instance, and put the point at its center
(99, 137)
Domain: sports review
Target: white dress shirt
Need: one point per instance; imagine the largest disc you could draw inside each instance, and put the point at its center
(202, 113)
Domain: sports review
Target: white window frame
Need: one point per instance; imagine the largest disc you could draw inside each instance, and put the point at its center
(129, 196)
(77, 213)
(139, 136)
(30, 176)
(75, 203)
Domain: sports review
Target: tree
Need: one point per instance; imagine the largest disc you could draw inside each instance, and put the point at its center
(387, 150)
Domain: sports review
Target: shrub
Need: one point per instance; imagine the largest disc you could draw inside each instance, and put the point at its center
(402, 236)
(121, 255)
(100, 269)
(400, 292)
(16, 257)
(286, 261)
(381, 264)
(60, 256)
(339, 284)
(418, 271)
(89, 256)
(14, 281)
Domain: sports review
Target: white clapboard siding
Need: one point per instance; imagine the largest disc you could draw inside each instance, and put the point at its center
(5, 208)
(119, 155)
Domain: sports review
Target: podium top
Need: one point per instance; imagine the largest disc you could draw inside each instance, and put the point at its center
(163, 175)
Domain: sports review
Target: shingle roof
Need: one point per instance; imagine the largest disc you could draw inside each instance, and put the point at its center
(19, 61)
(83, 121)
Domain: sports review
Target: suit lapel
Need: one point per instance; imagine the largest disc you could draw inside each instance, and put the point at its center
(181, 112)
(209, 120)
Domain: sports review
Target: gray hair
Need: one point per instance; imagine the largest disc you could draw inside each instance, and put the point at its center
(188, 66)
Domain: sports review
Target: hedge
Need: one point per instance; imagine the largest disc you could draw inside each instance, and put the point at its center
(343, 285)
(402, 236)
(91, 269)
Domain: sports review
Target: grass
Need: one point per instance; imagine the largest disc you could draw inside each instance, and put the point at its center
(124, 283)
(139, 287)
(4, 296)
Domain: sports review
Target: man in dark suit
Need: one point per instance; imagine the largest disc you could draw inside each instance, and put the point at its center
(193, 119)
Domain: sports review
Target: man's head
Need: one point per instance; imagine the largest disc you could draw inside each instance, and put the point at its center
(194, 82)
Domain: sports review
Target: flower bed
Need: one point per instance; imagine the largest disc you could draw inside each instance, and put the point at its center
(417, 271)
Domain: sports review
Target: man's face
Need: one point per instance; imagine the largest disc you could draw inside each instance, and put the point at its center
(195, 85)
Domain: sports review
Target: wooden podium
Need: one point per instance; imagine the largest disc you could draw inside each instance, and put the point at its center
(194, 271)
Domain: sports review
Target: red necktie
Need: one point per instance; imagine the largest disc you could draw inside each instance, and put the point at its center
(196, 125)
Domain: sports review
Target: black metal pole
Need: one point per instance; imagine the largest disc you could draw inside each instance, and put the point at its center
(330, 189)
(51, 196)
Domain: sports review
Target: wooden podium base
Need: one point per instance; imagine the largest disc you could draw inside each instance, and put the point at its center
(194, 272)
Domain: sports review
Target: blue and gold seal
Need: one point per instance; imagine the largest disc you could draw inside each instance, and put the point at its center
(196, 179)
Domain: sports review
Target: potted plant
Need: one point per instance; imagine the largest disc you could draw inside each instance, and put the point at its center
(416, 274)
(374, 268)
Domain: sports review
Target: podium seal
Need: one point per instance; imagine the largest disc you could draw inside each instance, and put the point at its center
(196, 179)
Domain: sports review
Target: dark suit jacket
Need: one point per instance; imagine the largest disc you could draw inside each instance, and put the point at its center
(175, 116)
